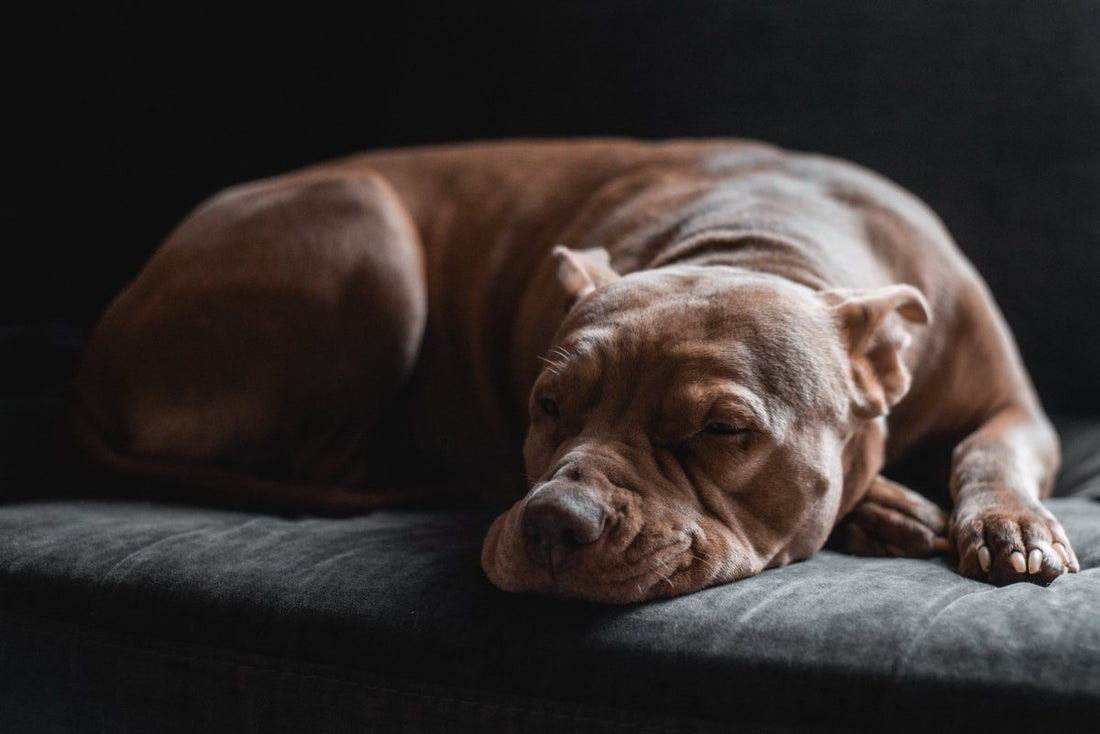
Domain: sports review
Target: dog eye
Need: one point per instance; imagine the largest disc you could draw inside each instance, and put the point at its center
(724, 429)
(549, 407)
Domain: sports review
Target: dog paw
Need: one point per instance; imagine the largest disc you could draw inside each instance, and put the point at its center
(893, 520)
(1003, 537)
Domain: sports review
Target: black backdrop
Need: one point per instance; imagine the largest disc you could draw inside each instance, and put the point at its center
(121, 121)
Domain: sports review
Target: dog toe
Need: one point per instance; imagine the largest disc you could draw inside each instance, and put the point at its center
(1004, 549)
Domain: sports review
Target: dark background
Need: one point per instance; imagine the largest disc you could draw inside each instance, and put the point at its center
(121, 121)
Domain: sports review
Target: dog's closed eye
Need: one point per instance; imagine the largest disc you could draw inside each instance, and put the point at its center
(719, 428)
(549, 407)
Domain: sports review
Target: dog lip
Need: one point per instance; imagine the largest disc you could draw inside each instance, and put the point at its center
(654, 551)
(664, 567)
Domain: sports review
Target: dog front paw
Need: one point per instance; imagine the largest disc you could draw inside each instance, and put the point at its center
(893, 520)
(1003, 537)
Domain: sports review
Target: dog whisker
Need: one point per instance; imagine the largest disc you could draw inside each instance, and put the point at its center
(666, 578)
(704, 561)
(555, 367)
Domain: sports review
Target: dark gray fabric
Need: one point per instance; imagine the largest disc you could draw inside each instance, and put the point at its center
(114, 602)
(1080, 474)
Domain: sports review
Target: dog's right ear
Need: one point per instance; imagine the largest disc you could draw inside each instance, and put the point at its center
(582, 271)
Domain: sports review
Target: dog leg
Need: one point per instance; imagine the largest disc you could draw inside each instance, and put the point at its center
(1002, 531)
(269, 335)
(892, 520)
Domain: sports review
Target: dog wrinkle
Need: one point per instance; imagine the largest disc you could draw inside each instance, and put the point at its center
(660, 560)
(646, 542)
(723, 551)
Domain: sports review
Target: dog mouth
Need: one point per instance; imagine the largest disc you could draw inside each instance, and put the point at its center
(655, 575)
(654, 561)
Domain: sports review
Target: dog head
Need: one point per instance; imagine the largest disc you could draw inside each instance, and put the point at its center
(696, 425)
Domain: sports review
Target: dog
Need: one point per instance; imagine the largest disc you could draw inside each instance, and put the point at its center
(715, 346)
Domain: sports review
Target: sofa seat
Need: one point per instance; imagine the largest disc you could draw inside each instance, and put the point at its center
(113, 613)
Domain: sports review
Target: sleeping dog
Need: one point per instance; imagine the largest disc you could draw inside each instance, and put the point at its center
(715, 346)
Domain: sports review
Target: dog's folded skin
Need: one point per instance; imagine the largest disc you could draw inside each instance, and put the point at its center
(716, 347)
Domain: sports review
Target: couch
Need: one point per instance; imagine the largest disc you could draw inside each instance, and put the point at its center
(132, 614)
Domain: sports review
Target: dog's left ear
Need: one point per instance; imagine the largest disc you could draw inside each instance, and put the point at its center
(871, 324)
(582, 271)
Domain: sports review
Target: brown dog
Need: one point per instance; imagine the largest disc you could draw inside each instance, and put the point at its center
(714, 376)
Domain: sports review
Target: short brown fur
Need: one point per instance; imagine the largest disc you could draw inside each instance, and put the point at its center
(716, 346)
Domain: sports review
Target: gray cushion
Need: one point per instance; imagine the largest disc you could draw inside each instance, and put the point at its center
(238, 622)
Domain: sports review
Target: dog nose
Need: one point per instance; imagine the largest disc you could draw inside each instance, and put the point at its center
(559, 520)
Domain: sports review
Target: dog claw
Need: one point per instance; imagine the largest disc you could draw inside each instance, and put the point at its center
(1019, 565)
(1034, 561)
(1062, 554)
(985, 560)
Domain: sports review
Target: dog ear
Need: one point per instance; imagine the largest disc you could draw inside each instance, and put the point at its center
(582, 271)
(871, 324)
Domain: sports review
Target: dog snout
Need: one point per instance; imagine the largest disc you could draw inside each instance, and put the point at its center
(559, 521)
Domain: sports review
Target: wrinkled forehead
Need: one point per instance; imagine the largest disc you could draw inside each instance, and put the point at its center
(692, 326)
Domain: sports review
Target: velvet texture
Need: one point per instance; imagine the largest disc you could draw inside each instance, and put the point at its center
(116, 613)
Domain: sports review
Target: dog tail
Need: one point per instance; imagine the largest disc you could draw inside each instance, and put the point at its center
(99, 469)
